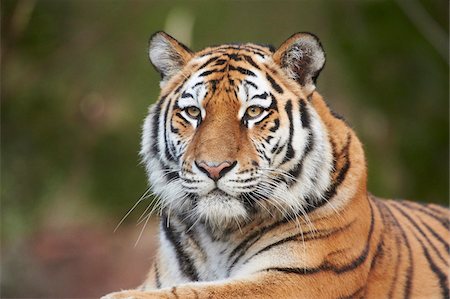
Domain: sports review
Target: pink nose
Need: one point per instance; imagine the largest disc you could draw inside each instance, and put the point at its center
(215, 170)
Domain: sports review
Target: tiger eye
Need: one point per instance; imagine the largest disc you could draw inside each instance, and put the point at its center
(254, 111)
(193, 111)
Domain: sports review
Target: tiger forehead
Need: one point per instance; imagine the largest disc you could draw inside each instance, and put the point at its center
(248, 48)
(226, 74)
(227, 68)
(229, 58)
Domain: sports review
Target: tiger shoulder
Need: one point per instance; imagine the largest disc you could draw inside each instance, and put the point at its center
(263, 189)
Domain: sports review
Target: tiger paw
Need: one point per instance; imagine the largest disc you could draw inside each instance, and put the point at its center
(132, 294)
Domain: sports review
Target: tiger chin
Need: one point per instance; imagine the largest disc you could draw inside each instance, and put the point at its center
(263, 189)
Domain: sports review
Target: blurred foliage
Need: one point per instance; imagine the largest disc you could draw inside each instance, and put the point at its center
(76, 84)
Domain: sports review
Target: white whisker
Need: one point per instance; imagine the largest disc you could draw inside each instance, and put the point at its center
(142, 230)
(132, 208)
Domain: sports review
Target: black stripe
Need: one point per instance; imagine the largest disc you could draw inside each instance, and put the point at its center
(306, 236)
(182, 117)
(191, 181)
(333, 150)
(169, 155)
(336, 115)
(273, 103)
(197, 84)
(212, 59)
(169, 174)
(251, 84)
(155, 127)
(225, 48)
(267, 140)
(428, 211)
(305, 119)
(181, 85)
(214, 84)
(297, 170)
(264, 118)
(387, 221)
(241, 47)
(173, 129)
(275, 147)
(378, 252)
(242, 248)
(254, 49)
(438, 209)
(185, 95)
(241, 70)
(301, 271)
(249, 203)
(437, 236)
(263, 155)
(276, 125)
(421, 232)
(361, 258)
(331, 191)
(260, 96)
(409, 271)
(336, 269)
(220, 62)
(184, 261)
(304, 115)
(157, 278)
(290, 153)
(243, 180)
(397, 266)
(274, 84)
(250, 60)
(280, 149)
(442, 277)
(233, 56)
(209, 72)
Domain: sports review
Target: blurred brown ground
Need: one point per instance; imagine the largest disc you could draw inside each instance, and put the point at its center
(80, 262)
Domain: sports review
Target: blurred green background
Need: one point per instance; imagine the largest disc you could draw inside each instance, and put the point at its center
(76, 84)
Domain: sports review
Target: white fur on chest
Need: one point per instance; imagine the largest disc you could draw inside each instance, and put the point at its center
(214, 259)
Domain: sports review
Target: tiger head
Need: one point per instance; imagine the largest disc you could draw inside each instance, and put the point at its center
(233, 135)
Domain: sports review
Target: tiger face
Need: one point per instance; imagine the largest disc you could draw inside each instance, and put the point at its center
(233, 136)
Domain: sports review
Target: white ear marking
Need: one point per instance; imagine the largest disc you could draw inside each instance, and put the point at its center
(167, 55)
(302, 58)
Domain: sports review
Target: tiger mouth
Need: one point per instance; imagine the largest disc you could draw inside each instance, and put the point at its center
(219, 209)
(217, 194)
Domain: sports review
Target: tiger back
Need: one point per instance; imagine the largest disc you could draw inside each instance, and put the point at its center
(262, 187)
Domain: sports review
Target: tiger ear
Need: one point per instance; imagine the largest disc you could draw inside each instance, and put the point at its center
(167, 55)
(302, 58)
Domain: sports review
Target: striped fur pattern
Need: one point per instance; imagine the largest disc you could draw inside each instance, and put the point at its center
(262, 188)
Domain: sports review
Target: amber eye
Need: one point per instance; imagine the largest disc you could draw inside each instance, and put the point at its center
(254, 111)
(193, 111)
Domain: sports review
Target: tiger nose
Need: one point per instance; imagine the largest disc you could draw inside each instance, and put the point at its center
(215, 170)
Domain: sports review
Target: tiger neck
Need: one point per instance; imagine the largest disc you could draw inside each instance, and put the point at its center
(349, 177)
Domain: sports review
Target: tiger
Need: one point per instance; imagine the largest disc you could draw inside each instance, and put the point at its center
(262, 187)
